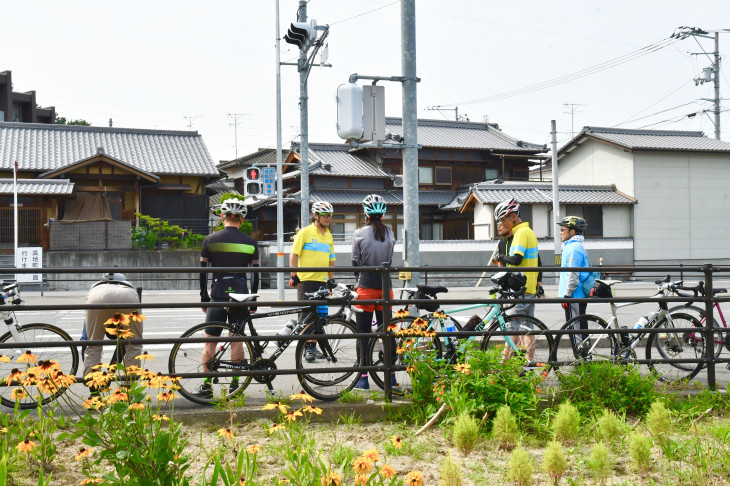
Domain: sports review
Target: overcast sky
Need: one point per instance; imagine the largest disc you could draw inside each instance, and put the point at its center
(150, 64)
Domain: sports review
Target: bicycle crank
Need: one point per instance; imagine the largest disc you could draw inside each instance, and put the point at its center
(626, 354)
(263, 364)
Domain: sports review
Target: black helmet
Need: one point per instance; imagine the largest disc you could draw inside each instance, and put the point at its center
(574, 223)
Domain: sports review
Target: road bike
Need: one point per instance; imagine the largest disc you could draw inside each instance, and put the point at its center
(33, 336)
(570, 350)
(320, 377)
(535, 353)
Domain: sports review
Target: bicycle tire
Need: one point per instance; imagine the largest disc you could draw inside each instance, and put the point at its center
(570, 352)
(722, 338)
(430, 347)
(330, 386)
(188, 358)
(686, 345)
(538, 356)
(37, 333)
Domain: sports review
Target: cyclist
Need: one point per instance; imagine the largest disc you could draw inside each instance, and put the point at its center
(574, 255)
(228, 247)
(372, 245)
(523, 252)
(313, 247)
(113, 288)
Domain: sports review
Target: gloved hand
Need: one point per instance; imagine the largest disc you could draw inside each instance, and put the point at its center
(540, 293)
(294, 281)
(565, 304)
(499, 257)
(331, 284)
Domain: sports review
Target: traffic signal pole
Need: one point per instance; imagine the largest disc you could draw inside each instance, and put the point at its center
(279, 168)
(303, 124)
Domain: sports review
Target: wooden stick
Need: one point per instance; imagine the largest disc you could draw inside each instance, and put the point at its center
(432, 421)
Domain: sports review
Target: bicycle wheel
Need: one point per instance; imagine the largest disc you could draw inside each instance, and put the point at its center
(37, 334)
(535, 351)
(188, 358)
(676, 345)
(570, 350)
(722, 338)
(416, 348)
(329, 385)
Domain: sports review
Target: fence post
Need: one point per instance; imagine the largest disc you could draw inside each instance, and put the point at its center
(709, 327)
(387, 341)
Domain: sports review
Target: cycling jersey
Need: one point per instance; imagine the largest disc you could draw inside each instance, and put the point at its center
(524, 242)
(314, 249)
(229, 248)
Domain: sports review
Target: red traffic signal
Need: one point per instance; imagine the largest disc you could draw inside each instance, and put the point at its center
(253, 174)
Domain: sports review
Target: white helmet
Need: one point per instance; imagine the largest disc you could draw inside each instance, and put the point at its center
(234, 206)
(505, 208)
(322, 207)
(374, 204)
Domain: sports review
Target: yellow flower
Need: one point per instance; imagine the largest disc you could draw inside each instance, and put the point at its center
(392, 328)
(414, 478)
(18, 394)
(83, 453)
(254, 449)
(463, 368)
(63, 380)
(125, 334)
(134, 369)
(90, 481)
(137, 317)
(15, 375)
(137, 406)
(226, 433)
(118, 396)
(276, 427)
(26, 446)
(98, 379)
(361, 480)
(396, 442)
(332, 478)
(160, 417)
(4, 430)
(158, 381)
(302, 396)
(117, 318)
(430, 333)
(4, 359)
(93, 402)
(28, 358)
(401, 313)
(29, 380)
(362, 465)
(310, 409)
(146, 355)
(292, 416)
(371, 455)
(386, 471)
(400, 350)
(166, 396)
(270, 406)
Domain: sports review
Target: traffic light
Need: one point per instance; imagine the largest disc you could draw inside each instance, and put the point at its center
(252, 183)
(301, 34)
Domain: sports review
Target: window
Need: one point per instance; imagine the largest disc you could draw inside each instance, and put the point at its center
(2, 116)
(443, 175)
(425, 175)
(115, 204)
(491, 174)
(432, 231)
(593, 216)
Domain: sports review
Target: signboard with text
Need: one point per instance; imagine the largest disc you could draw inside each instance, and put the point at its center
(29, 257)
(269, 178)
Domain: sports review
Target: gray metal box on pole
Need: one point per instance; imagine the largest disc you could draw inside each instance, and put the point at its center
(373, 113)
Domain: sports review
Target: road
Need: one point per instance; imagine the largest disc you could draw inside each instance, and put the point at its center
(172, 322)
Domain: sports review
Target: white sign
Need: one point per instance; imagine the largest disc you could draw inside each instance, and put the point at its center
(29, 257)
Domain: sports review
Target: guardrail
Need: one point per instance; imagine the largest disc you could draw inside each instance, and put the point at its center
(707, 272)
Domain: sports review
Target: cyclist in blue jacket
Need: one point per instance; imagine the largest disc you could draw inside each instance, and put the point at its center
(574, 255)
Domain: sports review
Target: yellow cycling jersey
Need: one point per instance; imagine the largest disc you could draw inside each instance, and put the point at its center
(314, 250)
(525, 243)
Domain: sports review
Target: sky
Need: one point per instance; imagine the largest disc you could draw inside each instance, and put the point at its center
(181, 65)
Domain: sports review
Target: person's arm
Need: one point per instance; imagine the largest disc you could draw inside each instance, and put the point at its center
(573, 277)
(204, 297)
(293, 262)
(515, 259)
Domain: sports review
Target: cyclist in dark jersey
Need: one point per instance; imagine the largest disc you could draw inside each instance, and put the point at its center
(225, 248)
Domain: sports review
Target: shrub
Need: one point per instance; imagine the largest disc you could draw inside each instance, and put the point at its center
(599, 462)
(566, 427)
(659, 419)
(450, 474)
(640, 451)
(520, 467)
(554, 463)
(246, 227)
(466, 433)
(621, 388)
(504, 428)
(610, 427)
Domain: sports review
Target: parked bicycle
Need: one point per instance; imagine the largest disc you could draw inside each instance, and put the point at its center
(33, 336)
(570, 350)
(333, 353)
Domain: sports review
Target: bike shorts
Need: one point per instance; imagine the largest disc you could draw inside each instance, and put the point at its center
(217, 314)
(370, 294)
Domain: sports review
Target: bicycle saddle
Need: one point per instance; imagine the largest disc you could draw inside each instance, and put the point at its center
(243, 297)
(432, 291)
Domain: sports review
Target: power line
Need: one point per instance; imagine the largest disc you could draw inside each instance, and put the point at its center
(630, 119)
(363, 13)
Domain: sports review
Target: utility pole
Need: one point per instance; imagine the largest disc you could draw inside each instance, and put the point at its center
(279, 169)
(190, 120)
(303, 124)
(717, 85)
(235, 117)
(556, 198)
(573, 107)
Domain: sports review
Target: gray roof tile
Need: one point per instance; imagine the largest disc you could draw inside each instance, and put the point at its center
(35, 187)
(542, 193)
(672, 140)
(395, 198)
(42, 147)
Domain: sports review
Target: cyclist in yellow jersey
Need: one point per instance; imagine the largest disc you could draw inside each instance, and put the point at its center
(313, 247)
(523, 252)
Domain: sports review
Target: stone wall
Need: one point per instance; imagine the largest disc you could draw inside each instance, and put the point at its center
(91, 235)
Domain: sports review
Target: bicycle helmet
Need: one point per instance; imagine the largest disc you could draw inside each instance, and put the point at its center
(374, 204)
(233, 206)
(574, 223)
(322, 207)
(506, 207)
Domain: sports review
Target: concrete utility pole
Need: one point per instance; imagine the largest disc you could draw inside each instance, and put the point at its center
(279, 169)
(303, 124)
(556, 195)
(717, 85)
(411, 250)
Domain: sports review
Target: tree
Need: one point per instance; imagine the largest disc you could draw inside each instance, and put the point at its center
(61, 120)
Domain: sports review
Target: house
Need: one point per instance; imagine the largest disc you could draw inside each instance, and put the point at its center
(680, 179)
(79, 174)
(21, 107)
(452, 154)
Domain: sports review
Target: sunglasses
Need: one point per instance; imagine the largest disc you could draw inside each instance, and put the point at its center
(325, 215)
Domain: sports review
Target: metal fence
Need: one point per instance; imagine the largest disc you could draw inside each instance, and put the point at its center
(708, 273)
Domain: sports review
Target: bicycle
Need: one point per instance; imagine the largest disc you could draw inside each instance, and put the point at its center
(332, 353)
(496, 320)
(32, 336)
(620, 347)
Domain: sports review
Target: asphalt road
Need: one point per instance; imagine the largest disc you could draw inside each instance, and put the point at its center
(173, 321)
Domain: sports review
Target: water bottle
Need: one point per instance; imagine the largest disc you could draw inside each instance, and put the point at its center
(286, 330)
(322, 310)
(450, 327)
(641, 323)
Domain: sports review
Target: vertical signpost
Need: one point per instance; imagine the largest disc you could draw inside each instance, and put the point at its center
(29, 257)
(268, 175)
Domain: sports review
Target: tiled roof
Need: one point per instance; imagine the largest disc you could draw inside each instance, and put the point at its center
(673, 140)
(262, 156)
(43, 147)
(542, 193)
(395, 198)
(336, 160)
(34, 187)
(465, 135)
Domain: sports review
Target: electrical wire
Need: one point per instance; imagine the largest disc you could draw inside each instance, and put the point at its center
(630, 119)
(363, 13)
(654, 114)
